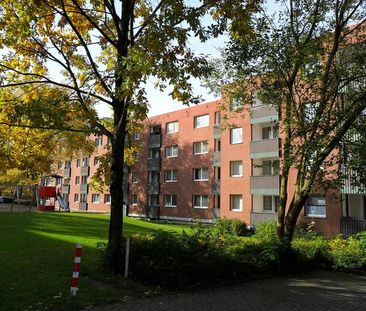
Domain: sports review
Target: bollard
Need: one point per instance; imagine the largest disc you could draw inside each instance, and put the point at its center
(75, 273)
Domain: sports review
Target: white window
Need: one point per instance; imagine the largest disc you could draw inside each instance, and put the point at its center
(170, 200)
(107, 198)
(236, 135)
(78, 163)
(135, 177)
(200, 174)
(315, 207)
(236, 169)
(98, 141)
(95, 198)
(134, 200)
(200, 147)
(96, 160)
(67, 164)
(236, 202)
(85, 161)
(200, 201)
(236, 104)
(202, 121)
(137, 136)
(217, 118)
(270, 132)
(76, 197)
(271, 203)
(77, 180)
(171, 151)
(170, 175)
(172, 127)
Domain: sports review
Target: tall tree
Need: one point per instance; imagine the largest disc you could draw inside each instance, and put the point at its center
(308, 61)
(103, 51)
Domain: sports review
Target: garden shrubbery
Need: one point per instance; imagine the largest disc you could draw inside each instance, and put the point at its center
(225, 253)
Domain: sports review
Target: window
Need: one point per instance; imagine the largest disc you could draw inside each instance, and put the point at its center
(155, 129)
(200, 201)
(270, 132)
(236, 202)
(154, 177)
(78, 163)
(236, 104)
(85, 161)
(137, 136)
(98, 141)
(154, 153)
(58, 181)
(136, 156)
(76, 197)
(170, 200)
(84, 180)
(271, 203)
(217, 118)
(77, 180)
(236, 135)
(315, 207)
(270, 168)
(201, 121)
(107, 198)
(217, 143)
(200, 147)
(96, 160)
(67, 164)
(171, 151)
(135, 176)
(95, 198)
(83, 197)
(134, 200)
(170, 175)
(200, 174)
(172, 127)
(236, 169)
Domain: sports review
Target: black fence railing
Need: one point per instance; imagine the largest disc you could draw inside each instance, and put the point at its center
(350, 226)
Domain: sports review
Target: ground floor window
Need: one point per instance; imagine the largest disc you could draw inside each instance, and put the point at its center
(315, 206)
(95, 198)
(170, 200)
(200, 201)
(107, 198)
(134, 200)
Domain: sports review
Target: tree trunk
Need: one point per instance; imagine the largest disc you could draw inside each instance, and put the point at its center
(114, 256)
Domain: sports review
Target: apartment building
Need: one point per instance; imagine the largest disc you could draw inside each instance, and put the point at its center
(191, 167)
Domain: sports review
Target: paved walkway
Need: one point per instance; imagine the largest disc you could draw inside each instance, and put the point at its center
(314, 291)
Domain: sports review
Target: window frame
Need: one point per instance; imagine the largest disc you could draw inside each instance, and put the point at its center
(324, 207)
(171, 173)
(94, 197)
(175, 128)
(200, 143)
(172, 148)
(232, 142)
(134, 199)
(241, 169)
(201, 196)
(201, 170)
(171, 203)
(232, 200)
(107, 195)
(205, 117)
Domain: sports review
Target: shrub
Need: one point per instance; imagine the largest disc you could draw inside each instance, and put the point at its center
(266, 231)
(311, 252)
(348, 254)
(230, 227)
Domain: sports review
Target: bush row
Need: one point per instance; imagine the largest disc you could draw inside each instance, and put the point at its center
(225, 253)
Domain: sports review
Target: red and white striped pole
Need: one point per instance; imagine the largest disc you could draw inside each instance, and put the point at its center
(75, 273)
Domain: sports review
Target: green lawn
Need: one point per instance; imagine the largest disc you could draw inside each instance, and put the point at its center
(37, 254)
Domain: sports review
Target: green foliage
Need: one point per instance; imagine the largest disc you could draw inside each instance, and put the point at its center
(266, 231)
(230, 227)
(348, 254)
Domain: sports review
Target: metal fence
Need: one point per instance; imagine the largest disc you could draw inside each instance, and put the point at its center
(350, 226)
(18, 198)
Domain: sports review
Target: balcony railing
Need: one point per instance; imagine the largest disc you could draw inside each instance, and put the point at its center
(256, 218)
(67, 172)
(216, 187)
(265, 148)
(265, 185)
(217, 131)
(84, 171)
(155, 141)
(350, 226)
(83, 206)
(263, 114)
(153, 188)
(84, 188)
(153, 164)
(216, 158)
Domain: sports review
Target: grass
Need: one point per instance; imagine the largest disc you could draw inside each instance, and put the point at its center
(37, 254)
